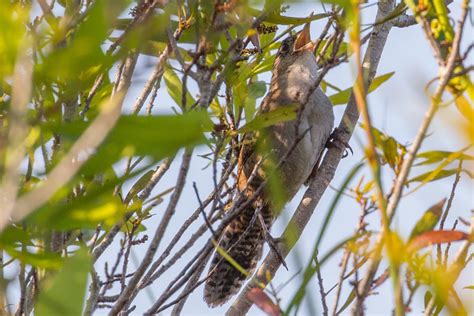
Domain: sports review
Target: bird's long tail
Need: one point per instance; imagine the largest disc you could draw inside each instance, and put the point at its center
(243, 240)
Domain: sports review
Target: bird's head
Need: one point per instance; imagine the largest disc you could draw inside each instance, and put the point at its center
(295, 49)
(295, 67)
(297, 45)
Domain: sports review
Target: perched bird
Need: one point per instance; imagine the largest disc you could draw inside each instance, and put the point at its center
(295, 71)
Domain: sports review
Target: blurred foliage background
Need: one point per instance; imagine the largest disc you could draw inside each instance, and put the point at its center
(80, 162)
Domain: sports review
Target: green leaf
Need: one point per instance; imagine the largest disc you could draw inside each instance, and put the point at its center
(464, 107)
(250, 108)
(439, 304)
(264, 66)
(152, 48)
(343, 49)
(285, 20)
(343, 96)
(99, 205)
(39, 260)
(80, 57)
(429, 219)
(439, 172)
(392, 150)
(84, 212)
(399, 10)
(257, 89)
(13, 18)
(282, 114)
(175, 89)
(138, 186)
(438, 155)
(12, 235)
(153, 136)
(150, 30)
(427, 298)
(64, 294)
(347, 303)
(429, 177)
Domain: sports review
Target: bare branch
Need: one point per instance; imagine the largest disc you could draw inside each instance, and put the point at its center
(70, 165)
(126, 295)
(399, 185)
(328, 167)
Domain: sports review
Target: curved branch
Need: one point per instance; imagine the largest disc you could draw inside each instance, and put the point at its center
(447, 72)
(327, 169)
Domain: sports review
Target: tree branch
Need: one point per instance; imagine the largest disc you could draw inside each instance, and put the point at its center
(365, 285)
(126, 297)
(69, 165)
(328, 167)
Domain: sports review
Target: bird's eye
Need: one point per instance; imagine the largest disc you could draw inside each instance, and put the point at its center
(285, 47)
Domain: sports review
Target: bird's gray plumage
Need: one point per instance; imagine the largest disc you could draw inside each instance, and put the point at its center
(294, 73)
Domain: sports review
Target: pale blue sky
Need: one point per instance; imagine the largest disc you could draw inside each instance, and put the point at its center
(397, 108)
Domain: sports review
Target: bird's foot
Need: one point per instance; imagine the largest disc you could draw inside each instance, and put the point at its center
(335, 140)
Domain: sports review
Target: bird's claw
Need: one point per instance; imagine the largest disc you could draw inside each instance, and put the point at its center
(335, 140)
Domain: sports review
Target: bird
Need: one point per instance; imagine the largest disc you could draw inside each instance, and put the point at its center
(298, 143)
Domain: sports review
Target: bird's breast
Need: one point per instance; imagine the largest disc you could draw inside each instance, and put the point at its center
(301, 76)
(310, 133)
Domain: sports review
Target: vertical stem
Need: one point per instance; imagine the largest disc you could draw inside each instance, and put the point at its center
(2, 281)
(130, 291)
(447, 71)
(360, 93)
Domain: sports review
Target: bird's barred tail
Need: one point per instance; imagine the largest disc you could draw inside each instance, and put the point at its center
(243, 240)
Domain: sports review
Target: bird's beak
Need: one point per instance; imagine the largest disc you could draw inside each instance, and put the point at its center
(303, 40)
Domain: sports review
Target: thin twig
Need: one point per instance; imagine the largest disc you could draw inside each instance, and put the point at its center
(399, 185)
(448, 206)
(126, 295)
(322, 293)
(454, 270)
(152, 273)
(325, 173)
(90, 139)
(206, 220)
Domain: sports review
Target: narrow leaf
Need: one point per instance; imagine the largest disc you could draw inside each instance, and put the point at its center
(257, 89)
(282, 114)
(464, 107)
(429, 220)
(434, 156)
(436, 237)
(39, 260)
(231, 260)
(439, 175)
(343, 96)
(285, 20)
(263, 302)
(138, 186)
(347, 303)
(64, 295)
(175, 88)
